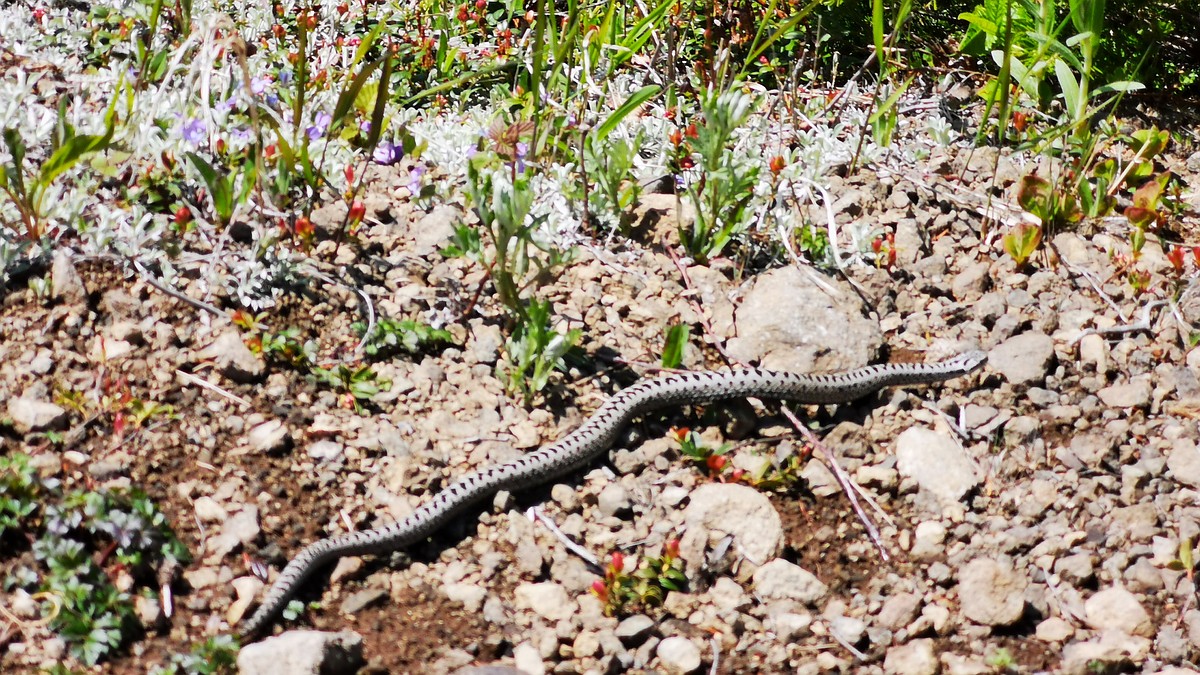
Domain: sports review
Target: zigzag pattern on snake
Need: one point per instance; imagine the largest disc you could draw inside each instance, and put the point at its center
(589, 440)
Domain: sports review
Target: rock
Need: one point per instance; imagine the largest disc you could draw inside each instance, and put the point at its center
(303, 652)
(270, 436)
(789, 626)
(928, 539)
(915, 658)
(634, 630)
(936, 462)
(1132, 394)
(848, 628)
(246, 588)
(234, 358)
(991, 592)
(528, 659)
(1117, 609)
(899, 610)
(1024, 358)
(547, 599)
(325, 451)
(788, 322)
(435, 230)
(718, 510)
(240, 529)
(65, 284)
(30, 415)
(1054, 629)
(782, 580)
(678, 655)
(1112, 652)
(500, 670)
(209, 510)
(470, 595)
(972, 281)
(356, 602)
(613, 500)
(149, 611)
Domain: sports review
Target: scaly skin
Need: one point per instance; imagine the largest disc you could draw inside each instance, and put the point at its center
(589, 440)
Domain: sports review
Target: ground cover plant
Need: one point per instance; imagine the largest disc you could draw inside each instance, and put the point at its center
(269, 270)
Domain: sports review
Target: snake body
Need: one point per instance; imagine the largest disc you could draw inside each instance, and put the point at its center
(589, 440)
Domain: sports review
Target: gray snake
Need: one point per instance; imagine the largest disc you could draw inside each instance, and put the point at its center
(590, 439)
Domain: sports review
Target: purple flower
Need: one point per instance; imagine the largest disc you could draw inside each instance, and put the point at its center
(414, 180)
(319, 126)
(365, 126)
(519, 153)
(387, 153)
(194, 131)
(285, 76)
(259, 84)
(225, 106)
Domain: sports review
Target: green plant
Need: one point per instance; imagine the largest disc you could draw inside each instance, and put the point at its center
(284, 345)
(1002, 661)
(29, 192)
(712, 460)
(676, 342)
(81, 540)
(215, 656)
(647, 586)
(389, 336)
(1186, 560)
(356, 385)
(1021, 242)
(534, 351)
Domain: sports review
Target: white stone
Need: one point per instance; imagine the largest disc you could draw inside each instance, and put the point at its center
(937, 462)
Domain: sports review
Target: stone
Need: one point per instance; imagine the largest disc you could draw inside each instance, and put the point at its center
(972, 282)
(233, 358)
(30, 415)
(270, 436)
(238, 530)
(470, 595)
(65, 284)
(937, 463)
(1054, 629)
(634, 630)
(246, 589)
(928, 538)
(788, 322)
(678, 654)
(1117, 609)
(915, 658)
(899, 610)
(783, 580)
(528, 659)
(1112, 652)
(789, 626)
(209, 510)
(303, 652)
(325, 451)
(434, 231)
(547, 599)
(1132, 394)
(991, 592)
(1183, 461)
(360, 600)
(614, 500)
(719, 510)
(1024, 358)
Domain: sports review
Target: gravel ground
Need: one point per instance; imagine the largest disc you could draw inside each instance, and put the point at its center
(1027, 514)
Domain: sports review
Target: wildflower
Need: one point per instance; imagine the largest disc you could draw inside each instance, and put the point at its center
(414, 179)
(319, 126)
(194, 131)
(358, 211)
(387, 153)
(259, 84)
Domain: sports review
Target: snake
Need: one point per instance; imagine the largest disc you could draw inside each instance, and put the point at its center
(586, 442)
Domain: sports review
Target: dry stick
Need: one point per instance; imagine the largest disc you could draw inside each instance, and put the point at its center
(848, 486)
(201, 382)
(536, 515)
(198, 304)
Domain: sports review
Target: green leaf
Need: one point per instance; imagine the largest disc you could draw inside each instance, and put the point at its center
(635, 100)
(677, 339)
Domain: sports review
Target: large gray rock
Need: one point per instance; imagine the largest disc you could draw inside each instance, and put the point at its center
(788, 322)
(720, 510)
(782, 580)
(1117, 609)
(30, 415)
(234, 358)
(678, 654)
(937, 462)
(991, 592)
(303, 652)
(1024, 358)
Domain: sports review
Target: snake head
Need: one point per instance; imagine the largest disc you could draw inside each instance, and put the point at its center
(968, 362)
